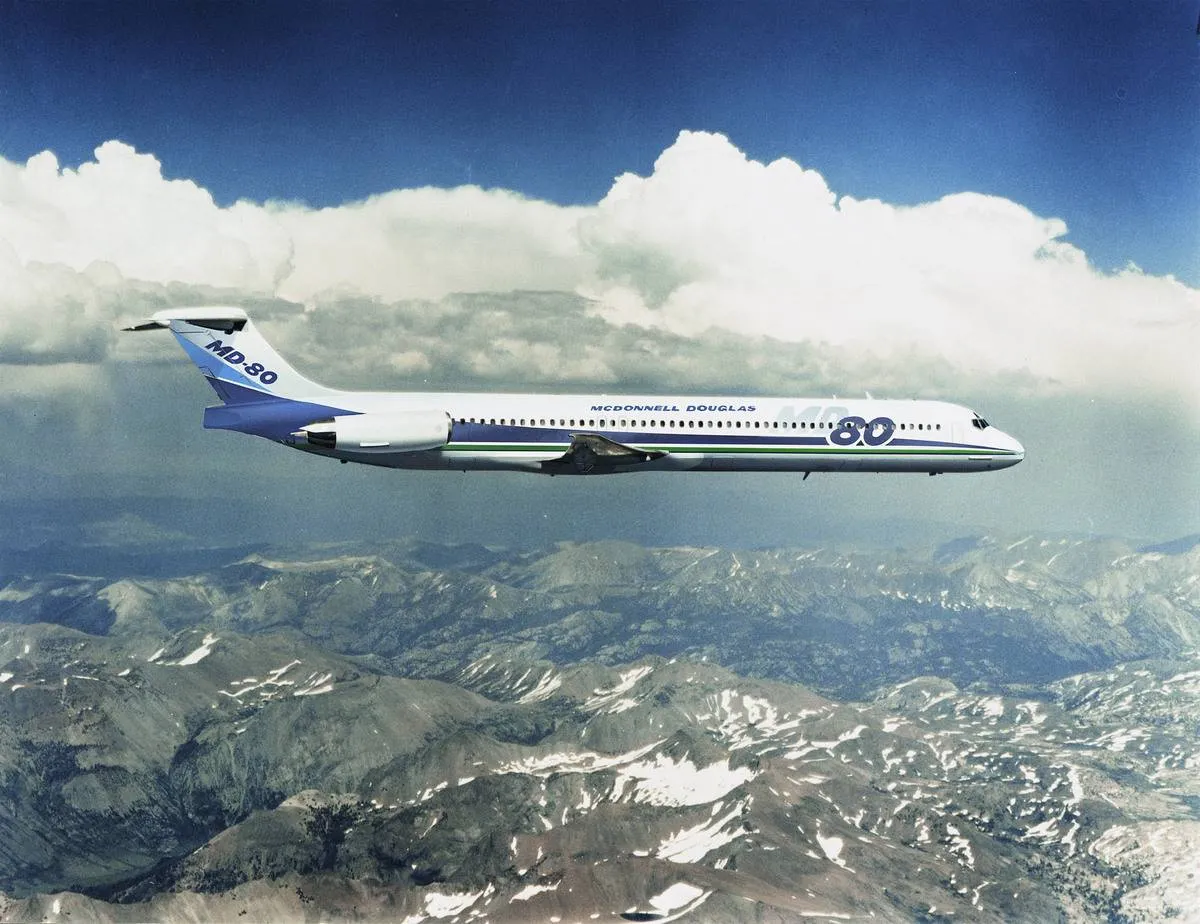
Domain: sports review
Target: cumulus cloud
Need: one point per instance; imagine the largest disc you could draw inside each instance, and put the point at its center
(715, 271)
(120, 210)
(713, 239)
(427, 243)
(559, 341)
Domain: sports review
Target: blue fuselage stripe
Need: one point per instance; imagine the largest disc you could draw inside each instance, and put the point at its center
(554, 437)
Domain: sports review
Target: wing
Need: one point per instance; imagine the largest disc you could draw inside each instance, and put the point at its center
(592, 454)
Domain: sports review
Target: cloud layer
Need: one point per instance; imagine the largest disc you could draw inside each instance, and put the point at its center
(714, 269)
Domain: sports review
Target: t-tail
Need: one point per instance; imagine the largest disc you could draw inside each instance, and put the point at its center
(231, 353)
(260, 391)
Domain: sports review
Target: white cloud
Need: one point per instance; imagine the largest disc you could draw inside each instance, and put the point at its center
(712, 239)
(119, 209)
(706, 255)
(427, 243)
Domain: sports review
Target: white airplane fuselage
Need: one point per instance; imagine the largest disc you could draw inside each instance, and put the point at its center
(573, 434)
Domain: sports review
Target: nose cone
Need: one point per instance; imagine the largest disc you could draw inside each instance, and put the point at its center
(1012, 446)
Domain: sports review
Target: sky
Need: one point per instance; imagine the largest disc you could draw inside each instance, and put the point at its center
(992, 204)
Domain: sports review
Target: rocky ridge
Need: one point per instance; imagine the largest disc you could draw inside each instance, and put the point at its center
(219, 744)
(845, 622)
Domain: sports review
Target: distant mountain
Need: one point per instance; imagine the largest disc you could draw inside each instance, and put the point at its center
(847, 623)
(242, 741)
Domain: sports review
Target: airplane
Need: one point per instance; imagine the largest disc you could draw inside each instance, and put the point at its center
(584, 434)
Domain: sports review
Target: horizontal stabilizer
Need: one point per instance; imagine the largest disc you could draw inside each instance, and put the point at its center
(214, 317)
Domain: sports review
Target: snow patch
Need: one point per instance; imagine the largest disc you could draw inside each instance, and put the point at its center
(678, 900)
(667, 782)
(200, 653)
(545, 688)
(316, 685)
(531, 890)
(832, 848)
(442, 905)
(612, 700)
(274, 681)
(691, 845)
(574, 761)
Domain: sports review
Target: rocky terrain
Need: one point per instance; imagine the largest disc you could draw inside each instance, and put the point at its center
(844, 622)
(992, 730)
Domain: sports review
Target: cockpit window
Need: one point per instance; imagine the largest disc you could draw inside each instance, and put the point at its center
(979, 422)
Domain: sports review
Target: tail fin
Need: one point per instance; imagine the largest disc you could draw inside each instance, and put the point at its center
(235, 358)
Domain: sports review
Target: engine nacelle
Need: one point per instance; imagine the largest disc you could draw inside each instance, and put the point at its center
(402, 431)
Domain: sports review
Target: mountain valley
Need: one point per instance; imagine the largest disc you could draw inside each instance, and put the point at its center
(990, 730)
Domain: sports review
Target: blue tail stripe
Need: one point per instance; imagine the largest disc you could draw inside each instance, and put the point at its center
(213, 368)
(274, 418)
(252, 411)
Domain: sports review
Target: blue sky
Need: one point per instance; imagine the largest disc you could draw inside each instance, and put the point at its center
(1080, 110)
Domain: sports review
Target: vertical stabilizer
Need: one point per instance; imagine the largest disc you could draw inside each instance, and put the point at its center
(231, 353)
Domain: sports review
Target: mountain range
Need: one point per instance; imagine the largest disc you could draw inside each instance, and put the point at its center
(992, 729)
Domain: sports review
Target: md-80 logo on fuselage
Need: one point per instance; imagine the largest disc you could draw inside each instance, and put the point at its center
(855, 431)
(237, 359)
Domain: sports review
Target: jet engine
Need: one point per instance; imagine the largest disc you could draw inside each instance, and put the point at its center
(402, 431)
